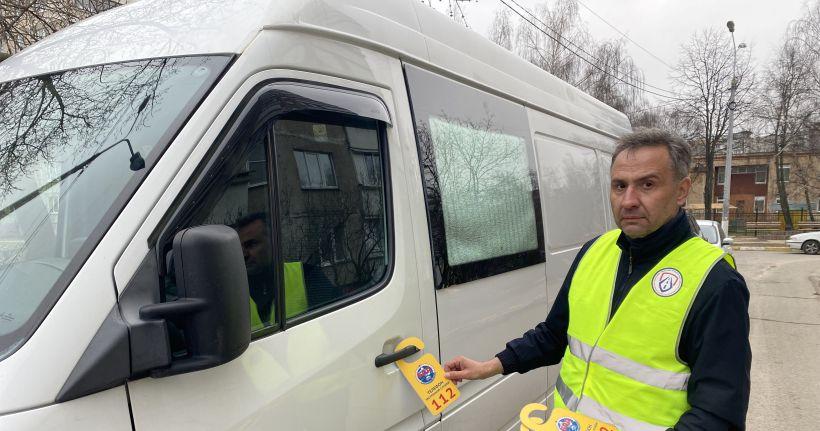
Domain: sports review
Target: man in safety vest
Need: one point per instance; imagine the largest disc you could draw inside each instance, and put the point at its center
(651, 324)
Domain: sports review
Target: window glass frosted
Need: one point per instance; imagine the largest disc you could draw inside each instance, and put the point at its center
(486, 192)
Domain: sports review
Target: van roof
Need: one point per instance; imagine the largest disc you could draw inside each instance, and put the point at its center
(404, 28)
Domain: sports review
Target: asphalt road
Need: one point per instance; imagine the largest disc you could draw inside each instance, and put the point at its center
(785, 335)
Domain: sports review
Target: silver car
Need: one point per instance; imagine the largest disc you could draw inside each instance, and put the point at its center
(713, 233)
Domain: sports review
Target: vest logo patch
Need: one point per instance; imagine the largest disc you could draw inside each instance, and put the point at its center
(667, 282)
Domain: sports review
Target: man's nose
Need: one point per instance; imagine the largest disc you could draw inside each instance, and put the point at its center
(630, 199)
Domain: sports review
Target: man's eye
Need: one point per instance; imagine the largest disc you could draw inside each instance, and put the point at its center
(648, 184)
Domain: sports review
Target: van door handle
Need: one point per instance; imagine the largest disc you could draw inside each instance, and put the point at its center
(385, 358)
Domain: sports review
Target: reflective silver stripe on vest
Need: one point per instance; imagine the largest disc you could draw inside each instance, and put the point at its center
(569, 398)
(634, 370)
(591, 408)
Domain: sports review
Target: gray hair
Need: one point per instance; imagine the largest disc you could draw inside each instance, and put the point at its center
(679, 151)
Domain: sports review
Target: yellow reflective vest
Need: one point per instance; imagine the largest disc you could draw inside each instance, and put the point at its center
(625, 369)
(295, 296)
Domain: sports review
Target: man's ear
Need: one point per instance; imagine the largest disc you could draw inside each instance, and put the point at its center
(684, 186)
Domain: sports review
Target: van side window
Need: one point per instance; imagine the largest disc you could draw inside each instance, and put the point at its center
(302, 183)
(480, 180)
(239, 197)
(331, 209)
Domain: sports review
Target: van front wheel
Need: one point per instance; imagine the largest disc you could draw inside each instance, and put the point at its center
(811, 247)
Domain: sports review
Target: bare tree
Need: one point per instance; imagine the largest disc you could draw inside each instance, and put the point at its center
(502, 29)
(549, 43)
(614, 78)
(703, 79)
(785, 107)
(23, 22)
(555, 39)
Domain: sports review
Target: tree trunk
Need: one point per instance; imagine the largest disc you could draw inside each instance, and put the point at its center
(808, 202)
(781, 192)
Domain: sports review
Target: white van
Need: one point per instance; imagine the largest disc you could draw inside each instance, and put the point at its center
(387, 173)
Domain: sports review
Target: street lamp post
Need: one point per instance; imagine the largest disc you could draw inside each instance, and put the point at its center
(727, 170)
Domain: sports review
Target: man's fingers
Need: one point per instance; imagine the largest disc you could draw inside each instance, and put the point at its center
(456, 376)
(454, 365)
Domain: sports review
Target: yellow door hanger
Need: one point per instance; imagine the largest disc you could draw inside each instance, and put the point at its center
(560, 420)
(426, 376)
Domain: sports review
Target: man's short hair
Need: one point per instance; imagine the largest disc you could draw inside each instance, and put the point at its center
(250, 218)
(679, 151)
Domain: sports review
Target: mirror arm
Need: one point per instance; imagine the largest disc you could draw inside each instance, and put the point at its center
(171, 310)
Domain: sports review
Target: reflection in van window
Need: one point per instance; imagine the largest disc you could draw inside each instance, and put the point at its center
(486, 192)
(333, 237)
(71, 143)
(479, 178)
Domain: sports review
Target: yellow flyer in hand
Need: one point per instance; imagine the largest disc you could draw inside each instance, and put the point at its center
(426, 377)
(560, 420)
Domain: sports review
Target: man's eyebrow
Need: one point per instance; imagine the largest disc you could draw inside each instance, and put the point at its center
(649, 176)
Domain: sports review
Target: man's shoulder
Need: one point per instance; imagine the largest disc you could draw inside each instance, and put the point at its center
(723, 281)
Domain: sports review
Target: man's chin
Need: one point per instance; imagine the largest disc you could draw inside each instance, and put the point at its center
(634, 231)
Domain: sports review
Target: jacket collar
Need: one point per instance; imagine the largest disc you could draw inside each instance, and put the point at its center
(659, 243)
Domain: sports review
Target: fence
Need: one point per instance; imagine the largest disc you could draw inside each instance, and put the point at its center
(755, 223)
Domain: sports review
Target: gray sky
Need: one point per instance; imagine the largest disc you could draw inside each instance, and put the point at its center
(662, 26)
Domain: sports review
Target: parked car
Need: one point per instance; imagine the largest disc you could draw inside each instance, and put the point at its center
(231, 209)
(712, 232)
(693, 223)
(808, 242)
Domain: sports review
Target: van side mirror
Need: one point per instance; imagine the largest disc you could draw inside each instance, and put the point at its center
(213, 307)
(728, 241)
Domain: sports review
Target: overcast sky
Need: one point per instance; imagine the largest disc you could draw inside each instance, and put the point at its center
(662, 26)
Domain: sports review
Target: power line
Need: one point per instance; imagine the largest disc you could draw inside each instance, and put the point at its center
(558, 41)
(578, 47)
(463, 18)
(624, 35)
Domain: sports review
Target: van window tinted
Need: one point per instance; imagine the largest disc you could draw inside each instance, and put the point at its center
(73, 147)
(306, 195)
(332, 231)
(480, 180)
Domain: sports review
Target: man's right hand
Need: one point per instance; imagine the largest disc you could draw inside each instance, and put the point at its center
(461, 368)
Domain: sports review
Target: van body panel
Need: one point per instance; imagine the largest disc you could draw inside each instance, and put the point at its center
(103, 411)
(476, 319)
(497, 409)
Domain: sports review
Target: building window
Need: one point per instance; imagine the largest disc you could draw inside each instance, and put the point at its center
(785, 170)
(367, 168)
(761, 172)
(760, 204)
(721, 175)
(315, 169)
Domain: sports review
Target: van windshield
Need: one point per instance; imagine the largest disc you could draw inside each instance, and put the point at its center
(73, 147)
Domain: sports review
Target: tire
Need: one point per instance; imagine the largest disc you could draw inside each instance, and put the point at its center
(811, 247)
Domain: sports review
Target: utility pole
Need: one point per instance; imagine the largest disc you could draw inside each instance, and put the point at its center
(727, 170)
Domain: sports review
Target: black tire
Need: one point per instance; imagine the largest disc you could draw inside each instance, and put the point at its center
(811, 247)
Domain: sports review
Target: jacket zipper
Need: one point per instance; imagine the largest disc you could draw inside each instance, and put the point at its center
(608, 318)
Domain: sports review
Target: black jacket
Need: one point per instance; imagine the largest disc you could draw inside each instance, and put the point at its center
(714, 342)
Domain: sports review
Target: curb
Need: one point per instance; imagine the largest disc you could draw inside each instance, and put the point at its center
(760, 248)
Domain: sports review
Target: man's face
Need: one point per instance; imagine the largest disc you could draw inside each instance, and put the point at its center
(255, 246)
(644, 192)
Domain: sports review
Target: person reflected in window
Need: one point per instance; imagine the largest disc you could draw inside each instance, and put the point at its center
(306, 287)
(256, 247)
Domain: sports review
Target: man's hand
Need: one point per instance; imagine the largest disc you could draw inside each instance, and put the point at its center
(462, 368)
